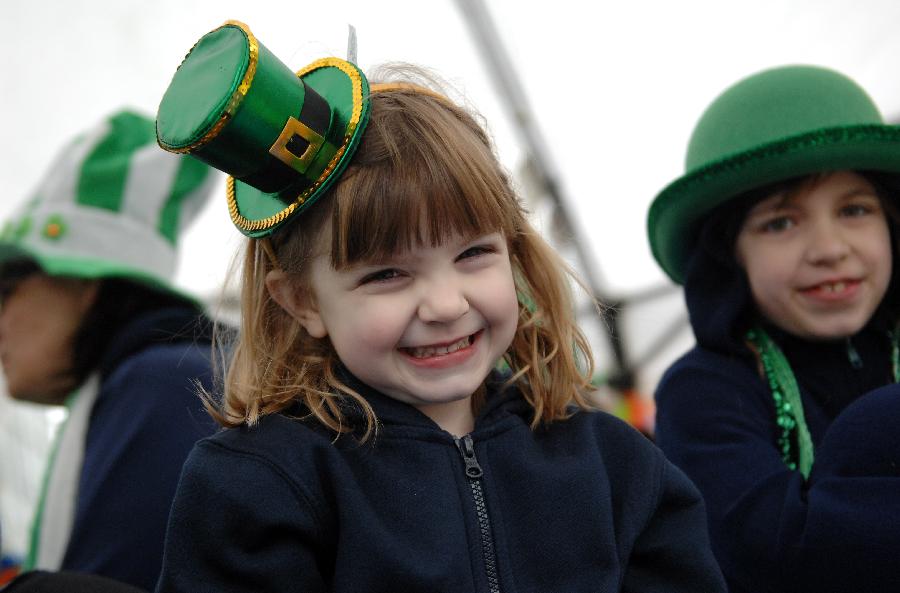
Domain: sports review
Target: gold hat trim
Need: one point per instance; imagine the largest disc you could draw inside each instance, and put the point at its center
(259, 225)
(237, 96)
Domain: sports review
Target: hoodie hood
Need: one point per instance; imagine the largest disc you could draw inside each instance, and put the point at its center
(716, 290)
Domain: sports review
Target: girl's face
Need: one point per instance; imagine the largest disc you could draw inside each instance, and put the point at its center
(39, 317)
(425, 326)
(819, 261)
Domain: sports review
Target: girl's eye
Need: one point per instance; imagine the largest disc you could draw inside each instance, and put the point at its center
(777, 224)
(475, 251)
(380, 276)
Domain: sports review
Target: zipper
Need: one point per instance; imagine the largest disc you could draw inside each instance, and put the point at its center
(474, 473)
(853, 356)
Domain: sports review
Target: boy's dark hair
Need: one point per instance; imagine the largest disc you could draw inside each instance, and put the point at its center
(12, 273)
(725, 221)
(887, 186)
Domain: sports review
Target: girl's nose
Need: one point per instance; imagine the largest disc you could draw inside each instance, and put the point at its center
(442, 302)
(827, 245)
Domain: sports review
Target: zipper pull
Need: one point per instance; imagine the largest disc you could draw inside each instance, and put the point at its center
(853, 356)
(467, 450)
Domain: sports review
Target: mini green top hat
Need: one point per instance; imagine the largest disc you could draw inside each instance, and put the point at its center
(111, 204)
(282, 137)
(775, 125)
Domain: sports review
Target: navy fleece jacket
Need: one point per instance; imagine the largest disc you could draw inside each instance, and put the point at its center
(145, 420)
(586, 504)
(772, 530)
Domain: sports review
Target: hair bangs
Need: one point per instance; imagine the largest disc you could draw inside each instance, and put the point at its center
(417, 184)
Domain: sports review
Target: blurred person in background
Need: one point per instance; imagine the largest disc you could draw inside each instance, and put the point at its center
(784, 232)
(89, 320)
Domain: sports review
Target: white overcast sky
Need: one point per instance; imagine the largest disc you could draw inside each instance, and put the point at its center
(616, 87)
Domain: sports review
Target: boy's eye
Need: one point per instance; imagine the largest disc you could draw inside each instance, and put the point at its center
(854, 210)
(380, 276)
(776, 224)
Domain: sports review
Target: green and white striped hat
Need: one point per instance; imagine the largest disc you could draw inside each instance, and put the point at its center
(112, 204)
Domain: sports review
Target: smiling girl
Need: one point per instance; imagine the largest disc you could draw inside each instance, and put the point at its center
(372, 444)
(782, 232)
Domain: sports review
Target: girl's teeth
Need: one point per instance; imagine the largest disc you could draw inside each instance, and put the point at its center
(439, 350)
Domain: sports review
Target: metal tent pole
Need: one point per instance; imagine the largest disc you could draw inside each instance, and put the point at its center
(503, 74)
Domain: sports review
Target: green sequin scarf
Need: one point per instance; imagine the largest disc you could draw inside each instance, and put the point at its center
(794, 440)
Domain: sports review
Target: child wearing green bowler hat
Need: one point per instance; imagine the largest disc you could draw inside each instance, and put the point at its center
(783, 232)
(407, 406)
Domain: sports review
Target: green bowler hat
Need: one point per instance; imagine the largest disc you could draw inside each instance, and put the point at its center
(282, 137)
(777, 124)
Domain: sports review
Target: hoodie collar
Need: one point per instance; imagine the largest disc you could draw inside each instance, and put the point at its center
(168, 325)
(500, 402)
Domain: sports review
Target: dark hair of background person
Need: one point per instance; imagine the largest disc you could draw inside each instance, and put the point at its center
(118, 302)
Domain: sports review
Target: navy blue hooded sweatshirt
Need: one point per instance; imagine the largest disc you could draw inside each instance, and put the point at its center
(585, 504)
(771, 530)
(145, 420)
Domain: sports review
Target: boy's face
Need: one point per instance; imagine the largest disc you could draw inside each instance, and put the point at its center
(819, 261)
(39, 318)
(425, 326)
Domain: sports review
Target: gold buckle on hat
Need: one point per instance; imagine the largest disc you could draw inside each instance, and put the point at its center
(280, 150)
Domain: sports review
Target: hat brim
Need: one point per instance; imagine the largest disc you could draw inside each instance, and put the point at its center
(257, 213)
(677, 211)
(88, 269)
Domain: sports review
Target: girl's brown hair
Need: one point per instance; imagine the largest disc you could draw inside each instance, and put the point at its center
(424, 171)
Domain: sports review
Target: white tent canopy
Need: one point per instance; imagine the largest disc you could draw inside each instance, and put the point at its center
(615, 89)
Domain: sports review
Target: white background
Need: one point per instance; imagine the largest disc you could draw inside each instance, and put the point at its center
(616, 88)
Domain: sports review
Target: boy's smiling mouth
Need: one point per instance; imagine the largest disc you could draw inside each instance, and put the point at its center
(836, 287)
(832, 289)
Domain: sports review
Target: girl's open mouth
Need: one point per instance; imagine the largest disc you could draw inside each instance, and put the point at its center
(420, 352)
